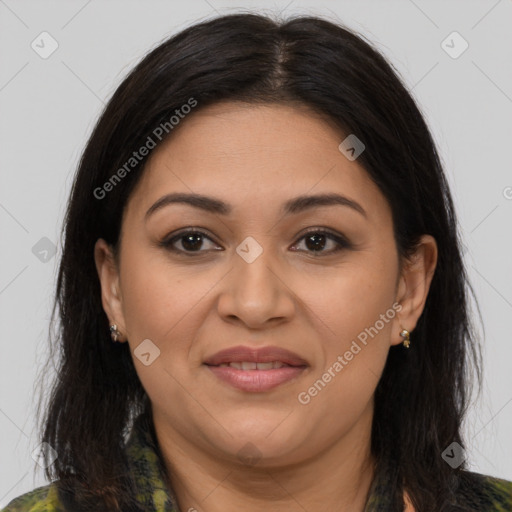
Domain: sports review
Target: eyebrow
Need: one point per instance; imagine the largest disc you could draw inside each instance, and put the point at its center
(290, 207)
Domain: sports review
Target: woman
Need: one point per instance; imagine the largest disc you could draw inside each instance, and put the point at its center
(261, 289)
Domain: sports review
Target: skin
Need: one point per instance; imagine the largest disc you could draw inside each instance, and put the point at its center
(307, 457)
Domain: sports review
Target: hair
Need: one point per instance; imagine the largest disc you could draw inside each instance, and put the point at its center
(303, 61)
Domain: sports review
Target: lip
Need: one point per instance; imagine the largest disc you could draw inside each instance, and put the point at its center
(256, 381)
(255, 355)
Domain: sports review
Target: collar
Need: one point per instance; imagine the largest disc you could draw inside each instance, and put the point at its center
(378, 496)
(146, 466)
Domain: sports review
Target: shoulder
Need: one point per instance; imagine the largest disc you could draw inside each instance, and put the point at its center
(41, 499)
(486, 492)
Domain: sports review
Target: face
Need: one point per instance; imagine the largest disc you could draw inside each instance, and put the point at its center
(314, 283)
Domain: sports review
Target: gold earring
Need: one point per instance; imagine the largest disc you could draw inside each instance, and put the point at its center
(406, 335)
(114, 333)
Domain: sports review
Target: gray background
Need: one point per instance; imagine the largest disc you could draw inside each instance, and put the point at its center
(48, 107)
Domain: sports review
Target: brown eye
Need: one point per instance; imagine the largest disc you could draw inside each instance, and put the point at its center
(188, 242)
(316, 241)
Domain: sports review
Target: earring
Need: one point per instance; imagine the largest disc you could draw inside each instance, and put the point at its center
(114, 333)
(406, 335)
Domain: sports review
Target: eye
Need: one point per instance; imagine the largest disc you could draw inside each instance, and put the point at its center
(191, 241)
(316, 240)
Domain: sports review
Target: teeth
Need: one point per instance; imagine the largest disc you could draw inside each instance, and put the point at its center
(266, 366)
(254, 366)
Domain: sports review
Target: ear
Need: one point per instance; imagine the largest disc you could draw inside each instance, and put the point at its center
(414, 285)
(111, 297)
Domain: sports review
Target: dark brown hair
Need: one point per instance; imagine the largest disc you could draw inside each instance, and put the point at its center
(422, 396)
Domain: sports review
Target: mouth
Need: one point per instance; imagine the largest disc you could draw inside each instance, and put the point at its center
(256, 370)
(251, 365)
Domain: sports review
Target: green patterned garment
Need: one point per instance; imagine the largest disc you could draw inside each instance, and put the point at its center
(495, 494)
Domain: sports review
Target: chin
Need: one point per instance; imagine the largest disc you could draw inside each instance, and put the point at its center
(269, 442)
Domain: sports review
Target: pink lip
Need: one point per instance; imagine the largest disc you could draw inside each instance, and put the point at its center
(256, 380)
(255, 355)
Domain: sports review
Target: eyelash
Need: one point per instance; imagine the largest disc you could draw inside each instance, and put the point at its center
(343, 243)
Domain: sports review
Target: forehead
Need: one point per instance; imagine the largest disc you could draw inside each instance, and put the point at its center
(261, 153)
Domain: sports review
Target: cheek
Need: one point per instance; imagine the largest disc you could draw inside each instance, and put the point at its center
(167, 304)
(357, 309)
(162, 303)
(156, 295)
(355, 297)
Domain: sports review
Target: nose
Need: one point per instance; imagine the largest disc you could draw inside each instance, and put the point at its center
(256, 293)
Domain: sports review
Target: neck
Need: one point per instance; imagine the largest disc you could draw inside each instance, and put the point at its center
(337, 479)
